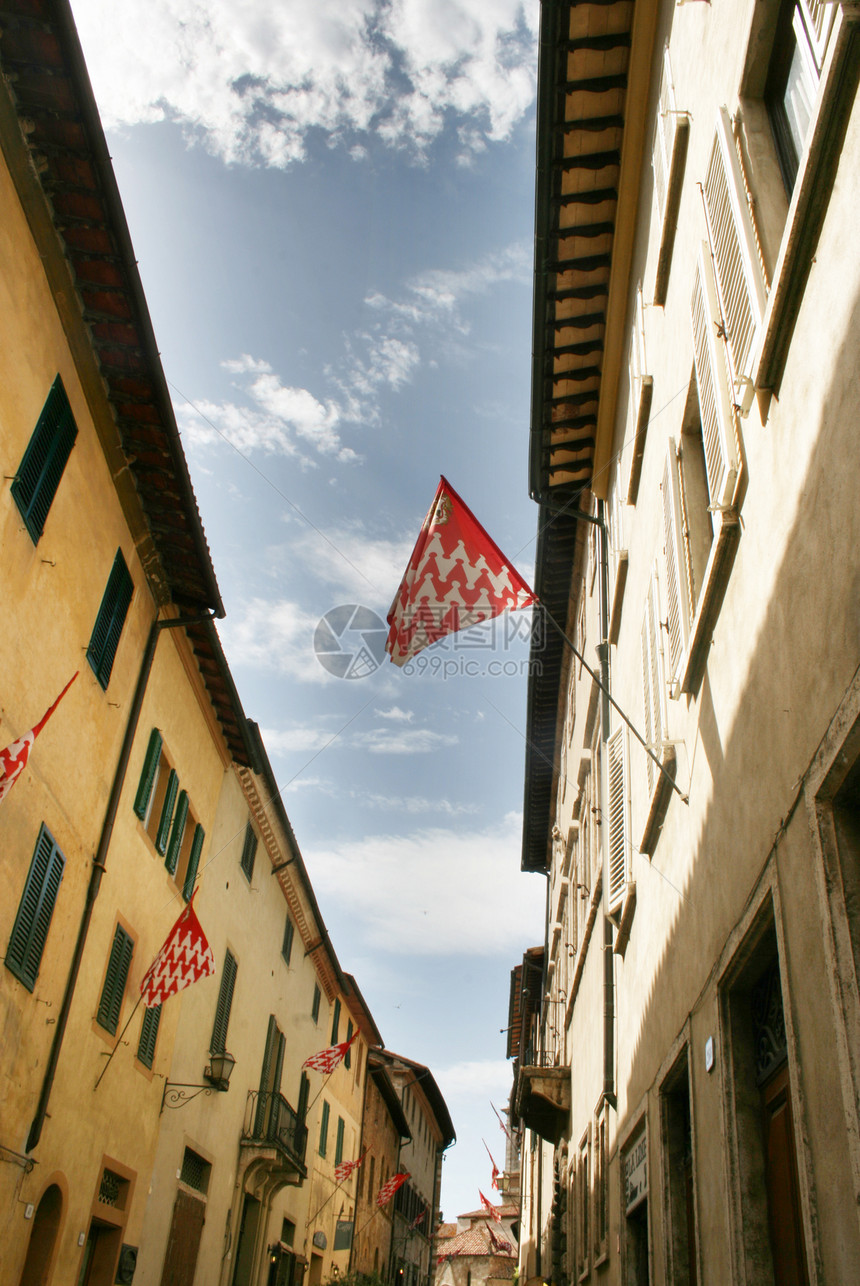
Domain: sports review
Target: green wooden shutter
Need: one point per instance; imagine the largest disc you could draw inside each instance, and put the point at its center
(218, 1044)
(147, 777)
(113, 991)
(326, 1110)
(249, 851)
(348, 1056)
(287, 948)
(167, 813)
(193, 862)
(315, 1003)
(338, 1147)
(110, 620)
(148, 1035)
(41, 468)
(177, 832)
(30, 930)
(304, 1095)
(335, 1025)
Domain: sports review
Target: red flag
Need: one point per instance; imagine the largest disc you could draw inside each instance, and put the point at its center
(13, 760)
(502, 1125)
(387, 1191)
(499, 1244)
(491, 1210)
(418, 1219)
(345, 1169)
(328, 1059)
(457, 577)
(185, 958)
(495, 1179)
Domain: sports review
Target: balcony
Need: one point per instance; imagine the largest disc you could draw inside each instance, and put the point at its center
(273, 1138)
(542, 1097)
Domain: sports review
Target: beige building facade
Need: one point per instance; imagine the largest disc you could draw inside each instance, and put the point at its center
(686, 1069)
(384, 1130)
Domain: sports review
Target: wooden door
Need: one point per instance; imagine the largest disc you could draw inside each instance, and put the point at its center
(785, 1218)
(186, 1229)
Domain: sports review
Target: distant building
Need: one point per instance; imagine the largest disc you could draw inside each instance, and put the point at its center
(687, 1076)
(384, 1130)
(477, 1250)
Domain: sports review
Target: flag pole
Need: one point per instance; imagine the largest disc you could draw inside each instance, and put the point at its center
(330, 1197)
(603, 688)
(117, 1045)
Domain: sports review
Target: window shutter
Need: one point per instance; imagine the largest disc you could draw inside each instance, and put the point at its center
(718, 431)
(324, 1129)
(44, 461)
(677, 597)
(218, 1044)
(668, 152)
(177, 832)
(110, 620)
(653, 680)
(619, 818)
(335, 1023)
(30, 930)
(348, 1056)
(338, 1147)
(167, 813)
(315, 1003)
(733, 240)
(148, 1035)
(304, 1094)
(249, 851)
(287, 948)
(113, 991)
(818, 19)
(193, 862)
(147, 776)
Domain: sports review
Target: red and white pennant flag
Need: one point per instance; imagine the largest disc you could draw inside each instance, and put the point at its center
(345, 1169)
(328, 1059)
(418, 1219)
(13, 760)
(495, 1179)
(491, 1210)
(387, 1191)
(184, 958)
(457, 577)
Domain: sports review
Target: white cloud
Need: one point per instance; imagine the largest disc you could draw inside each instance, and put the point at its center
(404, 741)
(488, 1078)
(395, 713)
(273, 635)
(253, 80)
(435, 892)
(414, 804)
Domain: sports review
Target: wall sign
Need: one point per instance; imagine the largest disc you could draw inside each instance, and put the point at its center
(636, 1172)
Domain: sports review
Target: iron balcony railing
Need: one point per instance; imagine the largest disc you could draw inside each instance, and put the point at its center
(539, 1058)
(270, 1119)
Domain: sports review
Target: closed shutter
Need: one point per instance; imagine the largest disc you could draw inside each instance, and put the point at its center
(30, 930)
(619, 818)
(348, 1056)
(287, 948)
(326, 1111)
(677, 594)
(177, 832)
(148, 1035)
(338, 1147)
(41, 469)
(335, 1022)
(167, 813)
(110, 620)
(715, 408)
(147, 776)
(818, 18)
(652, 680)
(249, 851)
(304, 1094)
(733, 240)
(218, 1044)
(116, 977)
(193, 862)
(668, 152)
(267, 1076)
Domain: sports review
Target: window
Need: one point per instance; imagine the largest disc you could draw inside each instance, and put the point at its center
(326, 1112)
(30, 930)
(338, 1147)
(166, 814)
(792, 80)
(218, 1043)
(104, 640)
(41, 468)
(335, 1022)
(668, 153)
(195, 1171)
(148, 1035)
(249, 852)
(315, 1005)
(617, 556)
(583, 1205)
(270, 1081)
(287, 946)
(601, 1185)
(304, 1095)
(619, 821)
(678, 1184)
(641, 392)
(348, 1056)
(119, 963)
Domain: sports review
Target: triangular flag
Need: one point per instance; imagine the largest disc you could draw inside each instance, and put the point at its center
(13, 760)
(491, 1210)
(184, 958)
(328, 1059)
(345, 1169)
(495, 1179)
(457, 577)
(387, 1191)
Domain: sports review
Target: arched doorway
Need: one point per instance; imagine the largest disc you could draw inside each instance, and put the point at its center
(43, 1238)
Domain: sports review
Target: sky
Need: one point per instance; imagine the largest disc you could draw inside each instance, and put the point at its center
(332, 207)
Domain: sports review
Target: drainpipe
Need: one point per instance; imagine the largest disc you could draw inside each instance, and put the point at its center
(608, 953)
(98, 866)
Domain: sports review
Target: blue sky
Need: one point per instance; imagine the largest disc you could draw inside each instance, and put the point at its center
(332, 209)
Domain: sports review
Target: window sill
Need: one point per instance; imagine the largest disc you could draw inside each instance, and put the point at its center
(673, 201)
(643, 415)
(710, 600)
(618, 595)
(624, 920)
(811, 195)
(660, 796)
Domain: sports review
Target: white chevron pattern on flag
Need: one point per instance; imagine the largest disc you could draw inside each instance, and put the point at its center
(184, 958)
